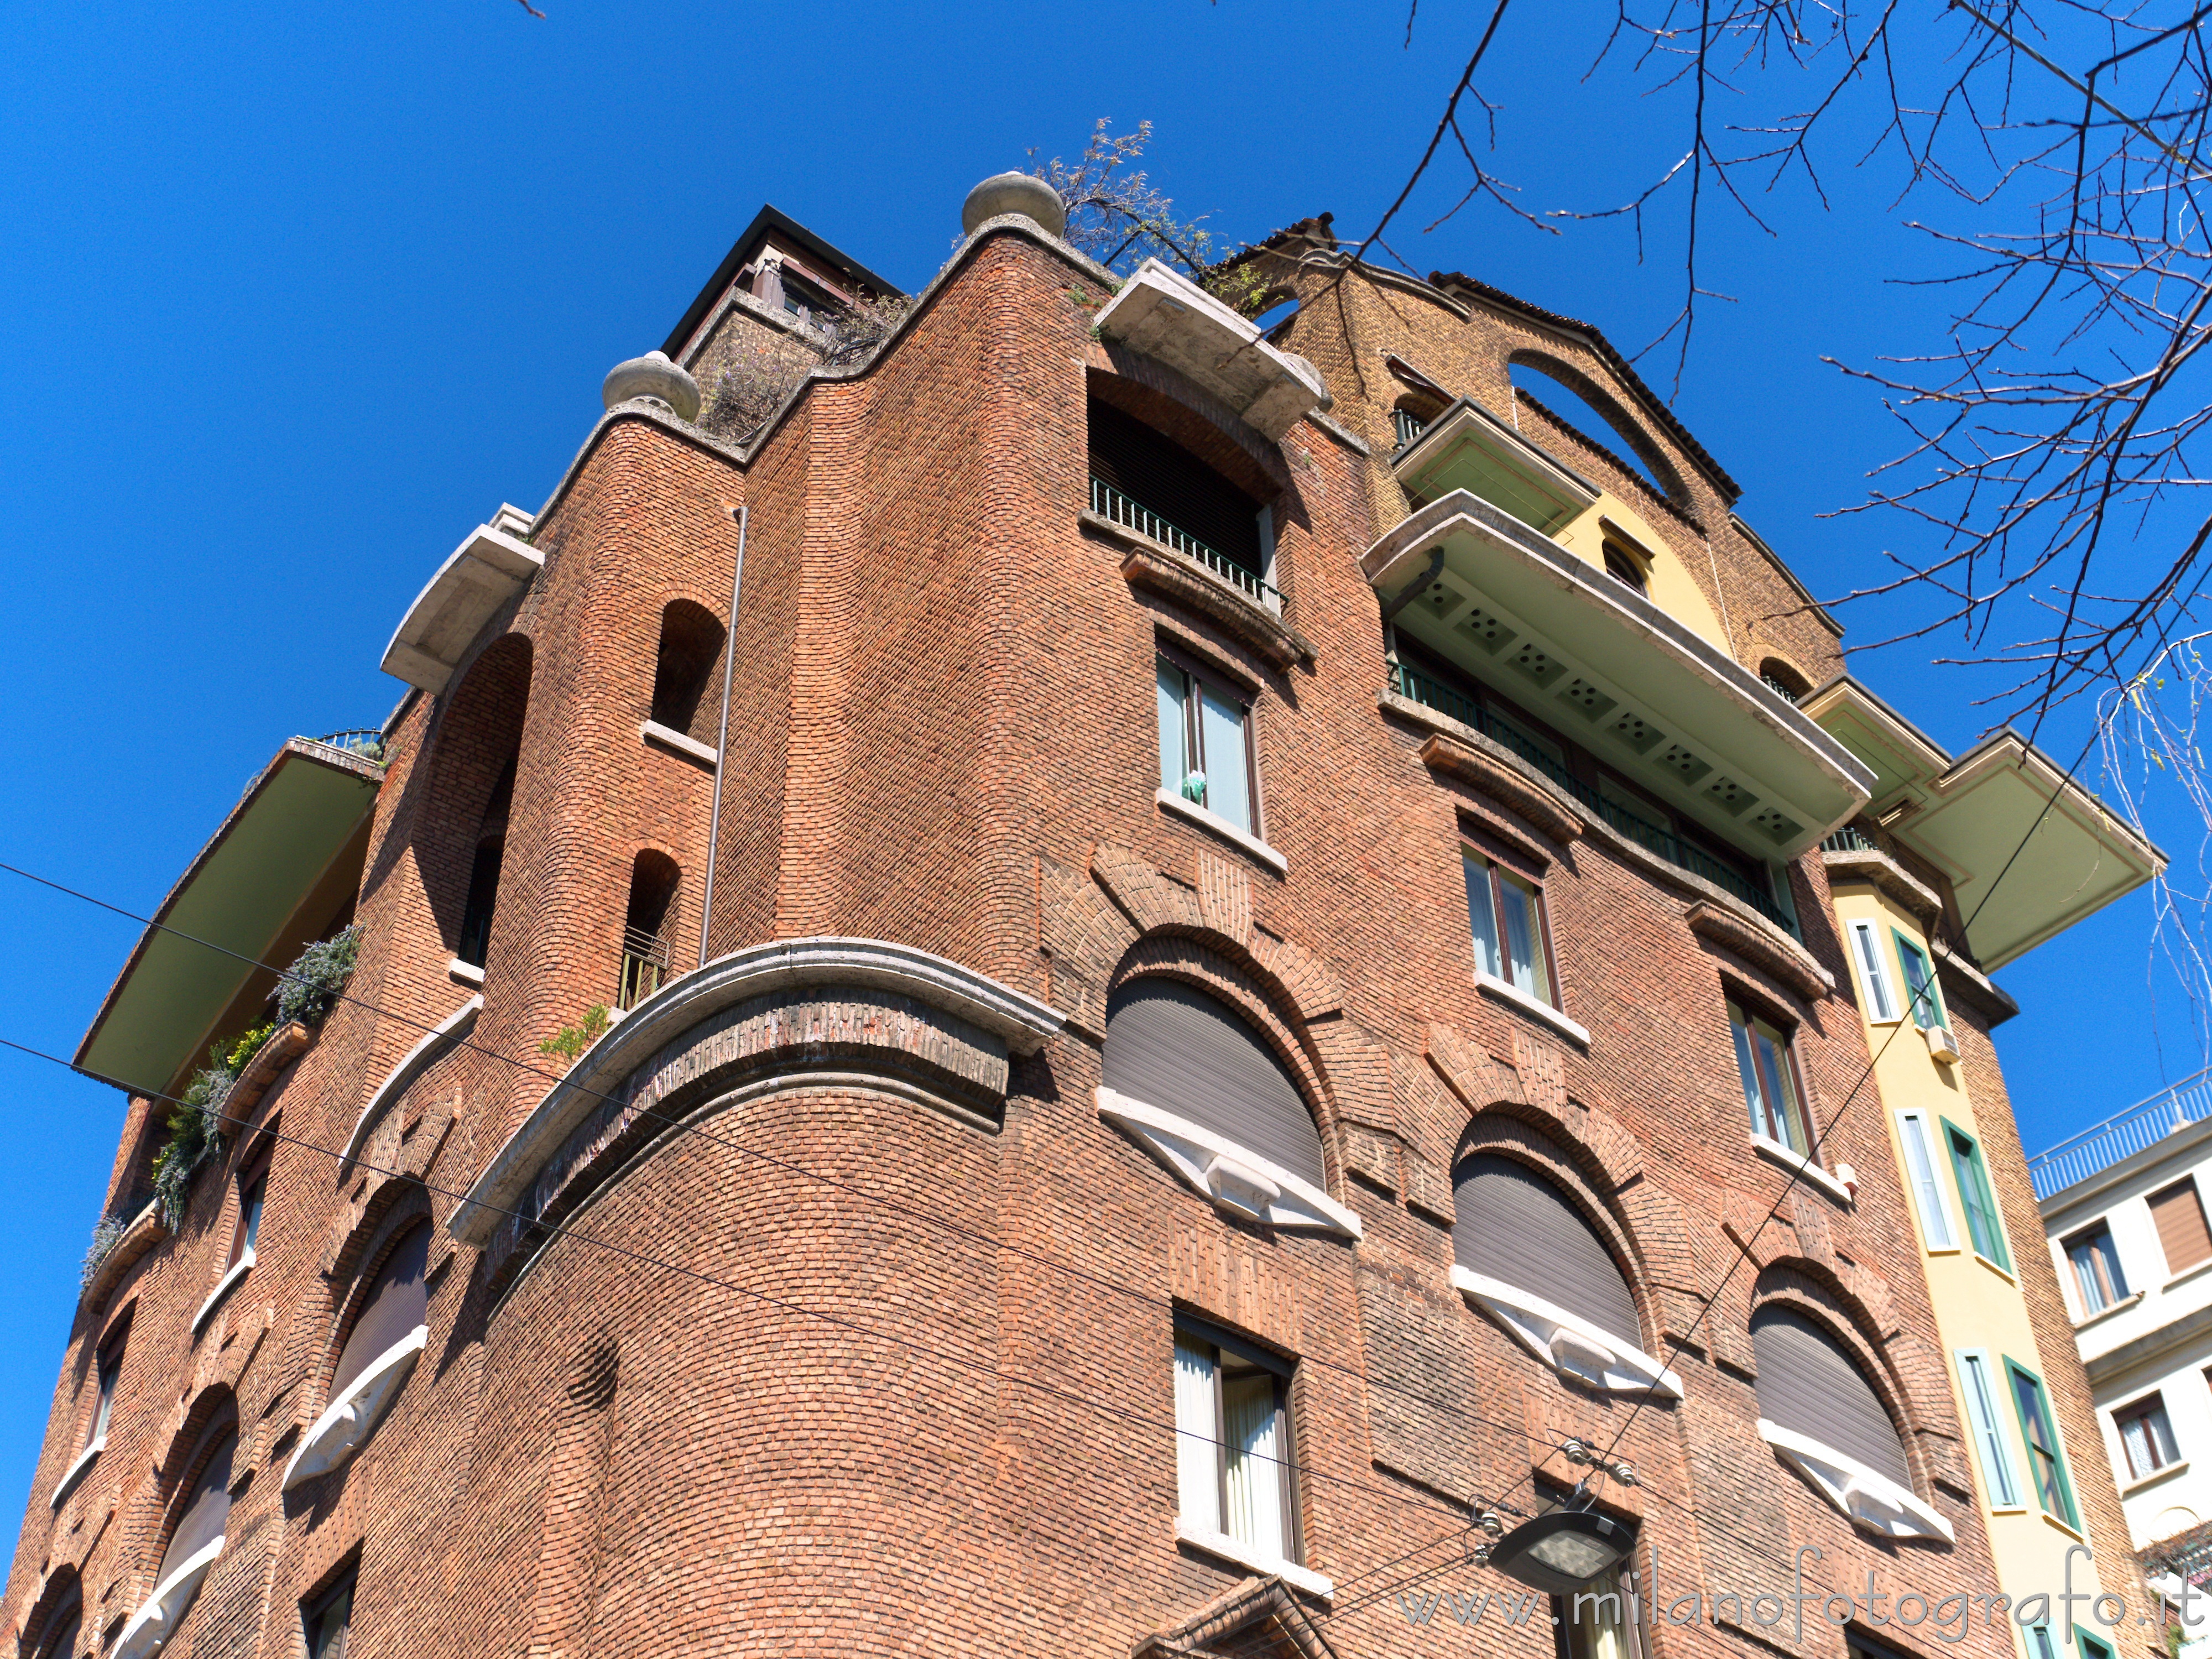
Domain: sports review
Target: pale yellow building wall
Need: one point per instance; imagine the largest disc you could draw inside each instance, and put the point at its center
(1672, 589)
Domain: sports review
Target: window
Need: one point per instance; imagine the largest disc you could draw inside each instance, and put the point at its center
(1974, 1382)
(327, 1619)
(396, 1303)
(390, 1331)
(2090, 1646)
(483, 872)
(1769, 1071)
(2040, 1644)
(1880, 995)
(1506, 913)
(1809, 1383)
(1234, 1465)
(1143, 478)
(1624, 568)
(2096, 1268)
(63, 1630)
(252, 1186)
(690, 645)
(1205, 745)
(1973, 1178)
(1912, 1130)
(206, 1510)
(1919, 984)
(110, 1369)
(2180, 1219)
(2146, 1435)
(2046, 1464)
(1599, 1620)
(653, 880)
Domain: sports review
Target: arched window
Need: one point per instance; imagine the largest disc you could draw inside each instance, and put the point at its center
(1783, 680)
(653, 880)
(59, 1633)
(483, 872)
(196, 1540)
(396, 1303)
(1208, 1098)
(462, 838)
(690, 645)
(390, 1331)
(1601, 428)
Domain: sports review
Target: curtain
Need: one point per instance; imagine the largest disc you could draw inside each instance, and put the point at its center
(1198, 1452)
(1221, 727)
(1254, 1469)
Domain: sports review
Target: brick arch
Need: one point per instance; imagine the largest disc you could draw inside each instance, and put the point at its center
(1625, 426)
(477, 736)
(394, 1208)
(151, 1517)
(1803, 1287)
(62, 1592)
(1162, 399)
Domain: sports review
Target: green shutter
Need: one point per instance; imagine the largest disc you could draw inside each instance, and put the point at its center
(1982, 1224)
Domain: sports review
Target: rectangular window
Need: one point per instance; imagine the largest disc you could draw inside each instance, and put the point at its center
(110, 1369)
(1205, 745)
(1769, 1082)
(2046, 1464)
(1927, 1192)
(1975, 1383)
(1973, 1177)
(251, 1187)
(2180, 1219)
(2090, 1646)
(2039, 1645)
(2096, 1268)
(1919, 983)
(1506, 913)
(327, 1620)
(2146, 1435)
(1233, 1455)
(1866, 950)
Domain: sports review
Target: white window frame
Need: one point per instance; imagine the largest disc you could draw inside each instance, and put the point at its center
(1939, 1232)
(1198, 1470)
(1979, 1372)
(1884, 1007)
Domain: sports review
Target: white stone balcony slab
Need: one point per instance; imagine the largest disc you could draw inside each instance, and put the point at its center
(1168, 316)
(485, 571)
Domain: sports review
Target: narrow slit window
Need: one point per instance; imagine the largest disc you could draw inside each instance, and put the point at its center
(1233, 1457)
(1927, 1193)
(1881, 996)
(251, 1189)
(1205, 745)
(2046, 1463)
(1919, 984)
(109, 1372)
(328, 1620)
(1506, 913)
(1769, 1071)
(1983, 1226)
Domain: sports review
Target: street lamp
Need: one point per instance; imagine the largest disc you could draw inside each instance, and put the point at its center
(1563, 1551)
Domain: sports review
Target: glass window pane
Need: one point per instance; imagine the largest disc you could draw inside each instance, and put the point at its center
(1775, 1083)
(1198, 1450)
(1989, 1444)
(253, 1215)
(2042, 1446)
(1254, 1473)
(1877, 982)
(1919, 986)
(1174, 747)
(1927, 1197)
(1222, 756)
(1524, 943)
(1481, 915)
(1747, 1067)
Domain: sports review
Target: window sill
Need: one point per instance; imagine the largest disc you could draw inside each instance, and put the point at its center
(1229, 1549)
(2186, 1274)
(668, 738)
(2104, 1314)
(2005, 1273)
(354, 1415)
(465, 973)
(2071, 1530)
(1222, 827)
(1224, 1174)
(229, 1282)
(76, 1472)
(1870, 1500)
(1572, 1347)
(1506, 991)
(151, 1626)
(2156, 1475)
(1773, 1149)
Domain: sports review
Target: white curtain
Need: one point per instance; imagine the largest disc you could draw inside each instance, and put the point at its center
(1198, 1451)
(1255, 1470)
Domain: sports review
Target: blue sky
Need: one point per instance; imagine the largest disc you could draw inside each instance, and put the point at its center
(291, 297)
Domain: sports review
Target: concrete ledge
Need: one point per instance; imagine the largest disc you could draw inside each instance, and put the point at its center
(351, 1418)
(215, 1298)
(1220, 826)
(1483, 773)
(1972, 986)
(1165, 315)
(1183, 580)
(1515, 998)
(489, 568)
(1803, 1168)
(1877, 869)
(667, 737)
(156, 1621)
(283, 1048)
(435, 1045)
(143, 1233)
(76, 1472)
(1764, 947)
(1243, 1555)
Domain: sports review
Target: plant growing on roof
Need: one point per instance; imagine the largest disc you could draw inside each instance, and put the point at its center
(105, 1233)
(316, 978)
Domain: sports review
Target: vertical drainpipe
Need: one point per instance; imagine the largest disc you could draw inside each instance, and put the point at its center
(723, 743)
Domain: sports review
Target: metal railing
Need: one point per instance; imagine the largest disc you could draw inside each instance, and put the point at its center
(366, 742)
(1407, 425)
(1780, 691)
(644, 966)
(1110, 503)
(1849, 839)
(1655, 838)
(2188, 1556)
(2123, 1134)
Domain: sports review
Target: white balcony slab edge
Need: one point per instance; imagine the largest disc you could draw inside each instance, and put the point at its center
(1019, 1020)
(1163, 314)
(76, 1472)
(465, 973)
(156, 1621)
(433, 1046)
(1224, 1174)
(1222, 827)
(490, 567)
(1506, 991)
(683, 743)
(223, 1287)
(1273, 1566)
(353, 1416)
(1568, 1343)
(1767, 1147)
(1871, 1500)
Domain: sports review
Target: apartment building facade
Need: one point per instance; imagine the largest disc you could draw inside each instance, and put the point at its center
(1222, 1003)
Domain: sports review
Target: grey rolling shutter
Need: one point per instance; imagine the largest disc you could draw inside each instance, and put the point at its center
(1808, 1384)
(1181, 1051)
(1154, 471)
(207, 1511)
(397, 1303)
(1513, 1226)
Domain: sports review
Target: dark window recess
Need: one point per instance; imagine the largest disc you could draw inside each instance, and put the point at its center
(1151, 470)
(1624, 566)
(476, 915)
(65, 1628)
(690, 645)
(654, 879)
(207, 1508)
(397, 1300)
(1808, 1384)
(110, 1371)
(1181, 1051)
(1513, 1226)
(251, 1190)
(328, 1619)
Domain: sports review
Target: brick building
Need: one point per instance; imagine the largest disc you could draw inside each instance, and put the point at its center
(1147, 1095)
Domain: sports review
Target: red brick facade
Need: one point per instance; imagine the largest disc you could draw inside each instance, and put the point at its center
(844, 1324)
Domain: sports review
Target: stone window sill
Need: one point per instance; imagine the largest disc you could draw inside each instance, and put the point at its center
(229, 1282)
(1775, 1150)
(1243, 1555)
(2104, 1314)
(1506, 991)
(2186, 1274)
(1222, 827)
(1871, 1500)
(433, 1046)
(354, 1415)
(1570, 1346)
(151, 1626)
(1224, 1174)
(667, 737)
(2156, 1475)
(76, 1472)
(465, 973)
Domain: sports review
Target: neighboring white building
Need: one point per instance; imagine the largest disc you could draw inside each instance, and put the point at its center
(2123, 1206)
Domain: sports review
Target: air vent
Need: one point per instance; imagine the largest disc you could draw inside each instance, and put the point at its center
(1592, 703)
(1532, 660)
(1775, 823)
(1485, 630)
(1632, 730)
(1729, 795)
(1682, 764)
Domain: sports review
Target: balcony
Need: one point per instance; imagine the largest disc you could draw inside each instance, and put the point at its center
(644, 967)
(1171, 319)
(2122, 1135)
(1649, 693)
(1110, 503)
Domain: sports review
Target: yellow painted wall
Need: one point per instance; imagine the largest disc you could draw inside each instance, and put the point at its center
(1672, 589)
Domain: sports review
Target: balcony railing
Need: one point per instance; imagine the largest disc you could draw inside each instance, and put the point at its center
(1849, 839)
(1110, 503)
(2122, 1135)
(366, 743)
(1780, 691)
(1432, 694)
(644, 966)
(1406, 425)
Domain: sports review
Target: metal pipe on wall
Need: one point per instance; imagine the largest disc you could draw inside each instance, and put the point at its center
(723, 743)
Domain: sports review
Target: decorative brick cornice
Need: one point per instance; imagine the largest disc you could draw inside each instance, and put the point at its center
(1766, 948)
(1154, 565)
(1463, 763)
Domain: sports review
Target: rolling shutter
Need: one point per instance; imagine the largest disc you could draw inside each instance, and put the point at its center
(1808, 1384)
(397, 1302)
(1155, 472)
(1514, 1226)
(1183, 1052)
(2181, 1232)
(207, 1511)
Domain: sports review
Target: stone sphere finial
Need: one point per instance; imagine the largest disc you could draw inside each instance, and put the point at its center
(653, 377)
(1014, 192)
